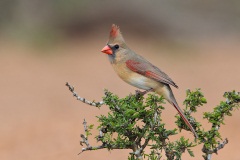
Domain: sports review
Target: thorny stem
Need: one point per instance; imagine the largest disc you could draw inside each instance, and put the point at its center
(84, 137)
(101, 134)
(91, 103)
(210, 152)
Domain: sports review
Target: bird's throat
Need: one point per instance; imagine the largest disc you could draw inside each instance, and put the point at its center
(111, 58)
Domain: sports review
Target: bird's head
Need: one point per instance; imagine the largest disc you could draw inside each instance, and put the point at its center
(116, 46)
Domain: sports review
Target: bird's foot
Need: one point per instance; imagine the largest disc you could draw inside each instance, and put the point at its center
(140, 93)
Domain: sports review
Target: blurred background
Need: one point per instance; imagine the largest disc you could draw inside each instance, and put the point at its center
(44, 44)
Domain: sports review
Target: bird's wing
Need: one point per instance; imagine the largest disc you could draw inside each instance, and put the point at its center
(145, 68)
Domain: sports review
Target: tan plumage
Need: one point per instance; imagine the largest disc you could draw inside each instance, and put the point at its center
(137, 71)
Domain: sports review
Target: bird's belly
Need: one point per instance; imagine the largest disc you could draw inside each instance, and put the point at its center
(141, 81)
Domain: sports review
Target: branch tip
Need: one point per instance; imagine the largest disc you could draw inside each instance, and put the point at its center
(84, 100)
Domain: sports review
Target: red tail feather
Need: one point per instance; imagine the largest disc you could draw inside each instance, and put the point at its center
(185, 119)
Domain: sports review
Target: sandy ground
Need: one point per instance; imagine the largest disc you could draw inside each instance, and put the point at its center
(41, 120)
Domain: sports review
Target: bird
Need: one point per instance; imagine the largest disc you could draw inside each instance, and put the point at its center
(139, 72)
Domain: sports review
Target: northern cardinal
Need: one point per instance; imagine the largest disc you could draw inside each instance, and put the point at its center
(137, 71)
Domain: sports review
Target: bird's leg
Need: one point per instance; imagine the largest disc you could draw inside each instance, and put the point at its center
(139, 93)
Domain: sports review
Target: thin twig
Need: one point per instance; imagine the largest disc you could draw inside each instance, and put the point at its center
(101, 134)
(159, 155)
(91, 103)
(210, 152)
(85, 137)
(104, 145)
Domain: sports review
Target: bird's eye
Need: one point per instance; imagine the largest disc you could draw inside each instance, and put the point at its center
(116, 46)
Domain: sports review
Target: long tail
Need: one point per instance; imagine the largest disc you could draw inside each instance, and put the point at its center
(184, 118)
(166, 91)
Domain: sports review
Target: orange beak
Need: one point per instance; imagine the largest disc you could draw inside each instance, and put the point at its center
(107, 50)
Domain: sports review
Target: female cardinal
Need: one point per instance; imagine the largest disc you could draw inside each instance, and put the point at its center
(137, 71)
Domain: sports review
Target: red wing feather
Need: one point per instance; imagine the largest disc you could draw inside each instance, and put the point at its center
(149, 70)
(132, 66)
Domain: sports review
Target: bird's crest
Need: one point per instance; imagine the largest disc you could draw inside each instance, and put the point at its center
(115, 31)
(115, 34)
